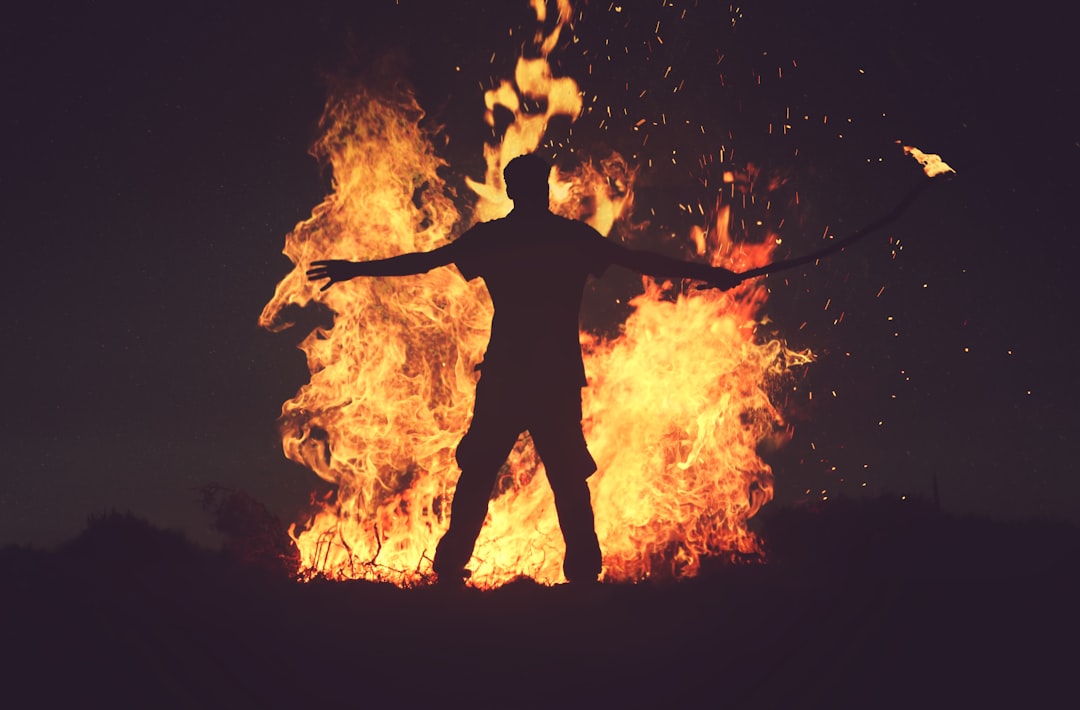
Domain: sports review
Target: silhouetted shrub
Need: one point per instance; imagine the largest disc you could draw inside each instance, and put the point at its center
(117, 541)
(253, 535)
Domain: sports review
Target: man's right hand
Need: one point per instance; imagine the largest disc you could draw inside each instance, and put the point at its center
(334, 269)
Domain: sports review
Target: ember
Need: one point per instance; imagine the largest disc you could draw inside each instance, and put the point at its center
(932, 164)
(677, 405)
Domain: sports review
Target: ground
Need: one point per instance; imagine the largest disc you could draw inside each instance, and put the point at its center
(870, 604)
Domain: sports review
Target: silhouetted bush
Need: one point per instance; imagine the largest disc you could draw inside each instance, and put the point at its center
(123, 541)
(253, 535)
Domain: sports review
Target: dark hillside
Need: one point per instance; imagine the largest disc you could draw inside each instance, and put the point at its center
(860, 605)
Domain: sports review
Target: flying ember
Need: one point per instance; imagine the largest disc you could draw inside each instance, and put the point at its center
(932, 163)
(678, 402)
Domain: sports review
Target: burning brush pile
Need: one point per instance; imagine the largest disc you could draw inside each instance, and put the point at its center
(680, 398)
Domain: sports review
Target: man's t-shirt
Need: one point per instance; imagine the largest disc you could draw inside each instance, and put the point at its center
(535, 267)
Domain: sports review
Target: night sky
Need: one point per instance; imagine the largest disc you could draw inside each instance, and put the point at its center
(156, 156)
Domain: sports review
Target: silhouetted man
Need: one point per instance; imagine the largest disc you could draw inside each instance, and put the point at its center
(535, 265)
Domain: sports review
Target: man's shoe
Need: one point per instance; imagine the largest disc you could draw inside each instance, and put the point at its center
(452, 580)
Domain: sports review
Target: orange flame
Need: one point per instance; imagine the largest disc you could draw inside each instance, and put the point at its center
(677, 406)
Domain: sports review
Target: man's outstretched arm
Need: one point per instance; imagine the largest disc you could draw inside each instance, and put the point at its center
(664, 267)
(402, 265)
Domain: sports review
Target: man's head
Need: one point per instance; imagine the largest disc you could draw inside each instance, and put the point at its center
(526, 179)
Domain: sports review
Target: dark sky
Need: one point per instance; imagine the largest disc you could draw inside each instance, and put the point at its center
(155, 157)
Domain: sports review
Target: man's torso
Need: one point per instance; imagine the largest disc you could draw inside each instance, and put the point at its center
(535, 268)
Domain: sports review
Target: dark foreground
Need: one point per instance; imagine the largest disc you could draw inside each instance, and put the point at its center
(861, 605)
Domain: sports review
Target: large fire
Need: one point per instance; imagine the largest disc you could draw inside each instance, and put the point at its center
(678, 402)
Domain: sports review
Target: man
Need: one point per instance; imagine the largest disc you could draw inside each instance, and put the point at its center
(535, 265)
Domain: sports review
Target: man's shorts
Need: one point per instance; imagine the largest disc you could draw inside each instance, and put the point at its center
(552, 415)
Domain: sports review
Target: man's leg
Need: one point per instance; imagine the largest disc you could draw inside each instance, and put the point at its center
(480, 455)
(561, 445)
(467, 513)
(574, 506)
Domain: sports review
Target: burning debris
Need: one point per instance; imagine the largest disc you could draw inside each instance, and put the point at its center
(932, 164)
